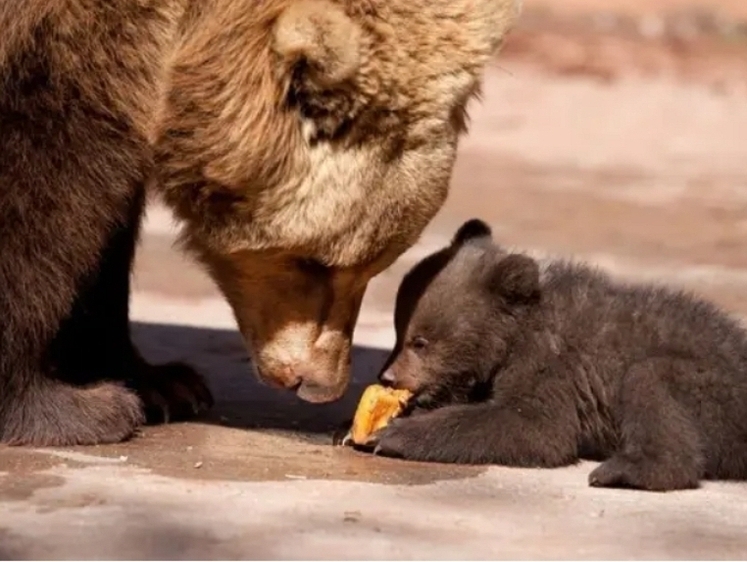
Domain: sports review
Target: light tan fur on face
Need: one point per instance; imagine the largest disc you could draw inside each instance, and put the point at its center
(321, 131)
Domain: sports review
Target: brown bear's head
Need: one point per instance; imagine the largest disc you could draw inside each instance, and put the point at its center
(306, 144)
(457, 315)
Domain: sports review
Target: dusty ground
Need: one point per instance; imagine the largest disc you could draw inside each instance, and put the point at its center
(684, 41)
(729, 8)
(636, 165)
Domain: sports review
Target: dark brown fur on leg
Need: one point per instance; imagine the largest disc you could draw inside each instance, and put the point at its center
(466, 433)
(40, 271)
(660, 445)
(170, 392)
(51, 413)
(70, 197)
(95, 338)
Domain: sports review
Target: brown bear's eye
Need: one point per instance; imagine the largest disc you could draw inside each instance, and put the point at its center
(418, 343)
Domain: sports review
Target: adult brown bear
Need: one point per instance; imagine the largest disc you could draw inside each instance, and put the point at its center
(304, 144)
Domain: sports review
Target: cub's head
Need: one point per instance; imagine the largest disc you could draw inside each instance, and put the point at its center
(457, 314)
(306, 144)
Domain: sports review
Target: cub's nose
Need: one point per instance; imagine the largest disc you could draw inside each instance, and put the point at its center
(387, 377)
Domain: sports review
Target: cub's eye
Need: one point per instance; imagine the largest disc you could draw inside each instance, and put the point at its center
(418, 343)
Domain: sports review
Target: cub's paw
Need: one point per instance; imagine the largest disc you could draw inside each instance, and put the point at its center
(404, 438)
(172, 392)
(643, 474)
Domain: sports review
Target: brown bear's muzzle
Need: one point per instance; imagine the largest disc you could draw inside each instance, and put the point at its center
(297, 321)
(316, 366)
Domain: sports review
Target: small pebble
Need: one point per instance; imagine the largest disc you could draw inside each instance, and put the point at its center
(198, 464)
(123, 458)
(351, 516)
(295, 477)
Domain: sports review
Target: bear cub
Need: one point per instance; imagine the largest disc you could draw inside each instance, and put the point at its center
(531, 363)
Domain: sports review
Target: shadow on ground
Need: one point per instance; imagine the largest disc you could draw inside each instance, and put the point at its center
(253, 433)
(241, 400)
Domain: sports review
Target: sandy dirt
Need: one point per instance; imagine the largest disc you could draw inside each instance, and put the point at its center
(697, 44)
(732, 8)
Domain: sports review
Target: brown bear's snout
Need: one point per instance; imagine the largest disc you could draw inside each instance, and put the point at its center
(318, 371)
(297, 322)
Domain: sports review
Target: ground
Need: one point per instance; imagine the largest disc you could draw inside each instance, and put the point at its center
(616, 137)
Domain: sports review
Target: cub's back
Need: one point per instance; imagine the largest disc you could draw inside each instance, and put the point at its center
(628, 322)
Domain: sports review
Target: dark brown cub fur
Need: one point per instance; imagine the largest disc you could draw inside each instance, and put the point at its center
(523, 363)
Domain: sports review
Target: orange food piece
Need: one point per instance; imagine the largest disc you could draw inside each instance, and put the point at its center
(377, 406)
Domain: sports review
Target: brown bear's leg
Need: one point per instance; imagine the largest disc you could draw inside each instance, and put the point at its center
(55, 216)
(70, 169)
(95, 338)
(660, 444)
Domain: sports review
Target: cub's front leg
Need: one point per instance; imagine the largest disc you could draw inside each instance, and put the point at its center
(519, 434)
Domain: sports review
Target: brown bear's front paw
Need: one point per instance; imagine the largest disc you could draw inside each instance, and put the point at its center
(643, 474)
(172, 392)
(55, 414)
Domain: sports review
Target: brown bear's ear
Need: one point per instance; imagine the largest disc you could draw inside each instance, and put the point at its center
(516, 277)
(474, 230)
(319, 44)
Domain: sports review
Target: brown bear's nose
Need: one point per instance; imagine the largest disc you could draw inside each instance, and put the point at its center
(387, 377)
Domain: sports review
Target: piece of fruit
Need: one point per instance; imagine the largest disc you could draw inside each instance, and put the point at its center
(377, 406)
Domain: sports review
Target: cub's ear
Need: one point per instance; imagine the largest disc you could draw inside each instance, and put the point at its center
(474, 230)
(318, 42)
(515, 277)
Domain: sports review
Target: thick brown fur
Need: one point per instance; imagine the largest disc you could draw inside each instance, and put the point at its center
(526, 363)
(304, 144)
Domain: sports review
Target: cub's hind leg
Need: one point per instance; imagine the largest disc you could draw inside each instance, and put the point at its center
(660, 444)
